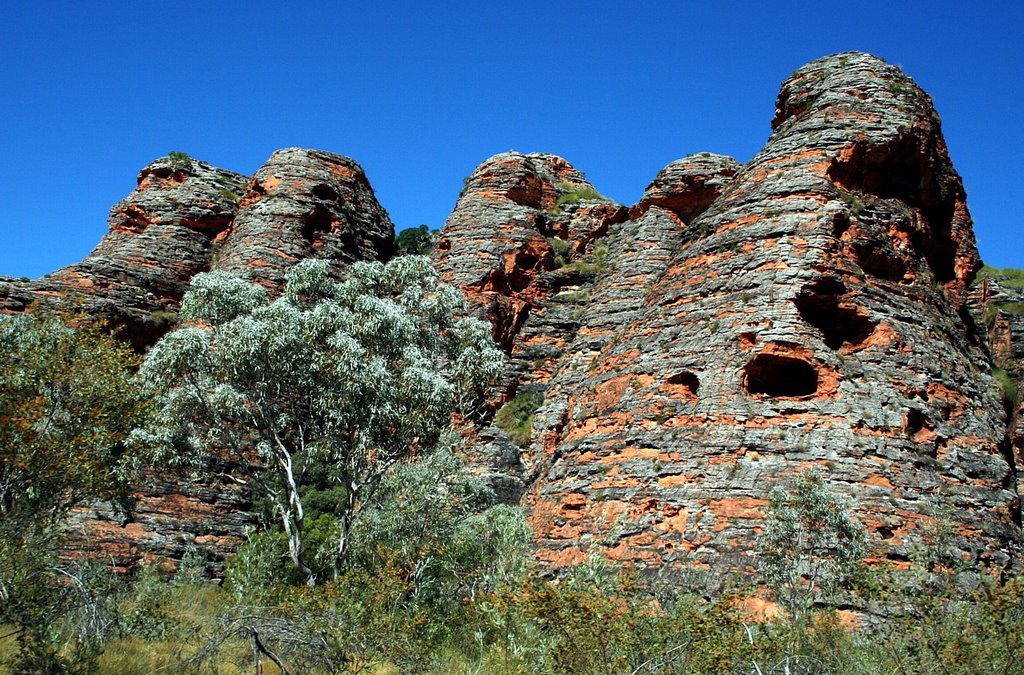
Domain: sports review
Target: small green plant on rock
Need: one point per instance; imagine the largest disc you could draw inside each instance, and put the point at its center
(1010, 387)
(570, 193)
(180, 160)
(515, 418)
(559, 250)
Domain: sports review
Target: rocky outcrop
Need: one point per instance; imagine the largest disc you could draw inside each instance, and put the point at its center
(186, 217)
(172, 516)
(305, 204)
(160, 236)
(523, 243)
(734, 328)
(805, 312)
(999, 306)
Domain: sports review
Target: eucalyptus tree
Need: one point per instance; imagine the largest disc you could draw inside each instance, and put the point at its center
(355, 375)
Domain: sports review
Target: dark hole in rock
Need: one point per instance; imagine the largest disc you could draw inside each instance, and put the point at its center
(880, 261)
(885, 532)
(905, 169)
(777, 375)
(315, 222)
(818, 304)
(685, 379)
(840, 224)
(914, 421)
(325, 192)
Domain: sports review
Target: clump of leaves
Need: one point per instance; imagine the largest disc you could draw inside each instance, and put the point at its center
(1012, 278)
(809, 544)
(415, 241)
(594, 261)
(1010, 386)
(163, 318)
(570, 193)
(515, 418)
(560, 250)
(179, 159)
(229, 195)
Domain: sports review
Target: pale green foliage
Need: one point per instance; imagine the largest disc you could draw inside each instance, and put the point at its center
(516, 417)
(355, 375)
(809, 544)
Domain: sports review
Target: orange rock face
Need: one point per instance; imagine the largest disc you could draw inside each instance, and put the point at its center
(736, 327)
(805, 311)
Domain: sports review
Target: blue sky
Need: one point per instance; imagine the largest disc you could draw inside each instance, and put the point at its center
(420, 93)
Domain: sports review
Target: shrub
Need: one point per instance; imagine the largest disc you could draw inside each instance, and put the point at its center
(415, 241)
(809, 544)
(180, 160)
(594, 261)
(560, 250)
(515, 418)
(570, 193)
(1009, 385)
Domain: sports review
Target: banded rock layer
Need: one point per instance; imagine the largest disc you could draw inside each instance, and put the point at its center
(734, 328)
(804, 312)
(186, 217)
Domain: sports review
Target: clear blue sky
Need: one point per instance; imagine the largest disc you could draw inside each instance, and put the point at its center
(420, 93)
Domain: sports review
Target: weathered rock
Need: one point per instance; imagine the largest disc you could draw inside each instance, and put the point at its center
(812, 318)
(1000, 308)
(305, 204)
(172, 515)
(688, 186)
(180, 221)
(161, 235)
(521, 243)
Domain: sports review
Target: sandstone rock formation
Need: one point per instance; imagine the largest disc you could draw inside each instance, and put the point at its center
(186, 217)
(305, 204)
(521, 245)
(737, 326)
(1000, 307)
(160, 236)
(805, 312)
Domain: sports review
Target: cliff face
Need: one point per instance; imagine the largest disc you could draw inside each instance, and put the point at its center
(305, 204)
(806, 311)
(737, 326)
(520, 243)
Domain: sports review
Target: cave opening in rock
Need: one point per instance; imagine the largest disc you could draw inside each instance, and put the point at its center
(904, 170)
(316, 222)
(685, 379)
(778, 375)
(326, 192)
(819, 305)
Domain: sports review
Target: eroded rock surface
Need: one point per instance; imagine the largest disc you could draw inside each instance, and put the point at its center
(186, 217)
(812, 318)
(305, 204)
(160, 236)
(523, 242)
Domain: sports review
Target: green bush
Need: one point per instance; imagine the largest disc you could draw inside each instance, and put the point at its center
(560, 250)
(1009, 385)
(180, 160)
(515, 418)
(415, 241)
(570, 193)
(1010, 277)
(594, 261)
